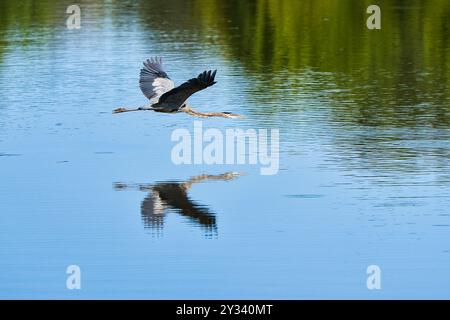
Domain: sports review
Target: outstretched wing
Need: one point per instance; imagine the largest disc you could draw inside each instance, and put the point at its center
(153, 80)
(180, 94)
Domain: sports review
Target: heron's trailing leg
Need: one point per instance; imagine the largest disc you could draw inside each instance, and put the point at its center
(195, 113)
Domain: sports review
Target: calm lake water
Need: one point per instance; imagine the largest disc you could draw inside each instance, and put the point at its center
(364, 175)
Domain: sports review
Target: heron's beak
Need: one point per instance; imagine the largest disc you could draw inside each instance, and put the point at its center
(119, 110)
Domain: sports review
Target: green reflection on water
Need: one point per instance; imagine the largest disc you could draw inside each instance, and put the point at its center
(398, 75)
(395, 76)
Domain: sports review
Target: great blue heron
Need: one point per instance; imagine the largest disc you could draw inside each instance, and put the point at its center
(165, 97)
(163, 196)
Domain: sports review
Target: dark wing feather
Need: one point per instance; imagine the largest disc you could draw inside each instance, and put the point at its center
(179, 95)
(153, 80)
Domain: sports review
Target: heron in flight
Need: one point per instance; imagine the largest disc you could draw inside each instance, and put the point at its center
(156, 85)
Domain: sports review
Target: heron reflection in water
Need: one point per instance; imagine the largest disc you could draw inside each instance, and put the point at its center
(164, 196)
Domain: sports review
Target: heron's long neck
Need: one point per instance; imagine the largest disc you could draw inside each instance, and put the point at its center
(196, 113)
